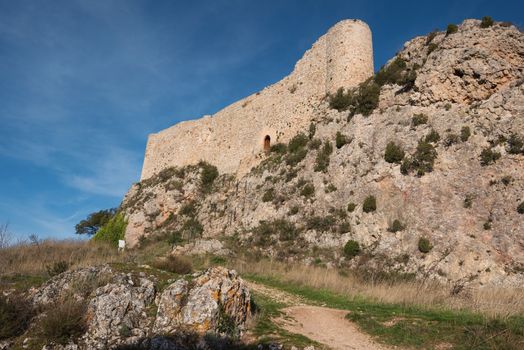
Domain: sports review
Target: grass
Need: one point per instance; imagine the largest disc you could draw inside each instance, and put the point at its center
(412, 326)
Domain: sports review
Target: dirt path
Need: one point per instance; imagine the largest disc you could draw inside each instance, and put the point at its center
(324, 325)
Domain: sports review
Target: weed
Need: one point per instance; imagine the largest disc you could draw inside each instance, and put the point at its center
(452, 29)
(488, 156)
(419, 119)
(351, 249)
(393, 153)
(370, 204)
(424, 245)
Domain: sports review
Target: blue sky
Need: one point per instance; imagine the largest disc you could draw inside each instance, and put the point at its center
(82, 83)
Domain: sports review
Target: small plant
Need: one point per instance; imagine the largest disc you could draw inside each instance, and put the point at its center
(308, 190)
(192, 229)
(341, 140)
(330, 188)
(314, 144)
(175, 264)
(487, 21)
(452, 29)
(293, 210)
(431, 36)
(506, 180)
(447, 107)
(351, 207)
(422, 161)
(15, 315)
(419, 119)
(432, 137)
(487, 225)
(451, 139)
(64, 321)
(269, 195)
(174, 237)
(465, 133)
(424, 246)
(396, 226)
(488, 156)
(520, 208)
(432, 47)
(393, 153)
(370, 204)
(188, 209)
(344, 227)
(312, 130)
(322, 160)
(341, 100)
(57, 268)
(468, 201)
(208, 175)
(351, 249)
(515, 144)
(278, 148)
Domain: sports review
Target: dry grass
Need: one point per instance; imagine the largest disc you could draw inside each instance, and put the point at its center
(36, 258)
(490, 301)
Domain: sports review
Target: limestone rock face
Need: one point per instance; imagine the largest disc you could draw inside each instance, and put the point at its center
(201, 247)
(468, 82)
(127, 308)
(215, 299)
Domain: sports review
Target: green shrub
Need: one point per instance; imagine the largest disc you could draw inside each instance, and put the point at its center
(366, 99)
(278, 148)
(351, 207)
(370, 204)
(192, 229)
(396, 226)
(424, 246)
(321, 223)
(432, 137)
(468, 201)
(113, 231)
(175, 264)
(312, 130)
(341, 140)
(188, 209)
(393, 73)
(515, 144)
(344, 227)
(330, 188)
(308, 190)
(419, 119)
(431, 36)
(452, 29)
(57, 268)
(298, 142)
(296, 157)
(174, 237)
(322, 160)
(207, 176)
(341, 100)
(269, 195)
(285, 230)
(351, 249)
(465, 133)
(432, 47)
(15, 315)
(393, 153)
(451, 139)
(422, 161)
(520, 208)
(488, 156)
(314, 144)
(487, 21)
(64, 321)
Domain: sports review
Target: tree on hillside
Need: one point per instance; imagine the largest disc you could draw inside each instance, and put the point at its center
(95, 221)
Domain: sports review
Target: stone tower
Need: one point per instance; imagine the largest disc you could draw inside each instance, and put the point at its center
(234, 138)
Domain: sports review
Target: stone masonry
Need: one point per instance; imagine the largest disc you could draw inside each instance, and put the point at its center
(233, 138)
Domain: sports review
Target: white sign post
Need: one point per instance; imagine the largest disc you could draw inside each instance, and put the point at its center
(121, 245)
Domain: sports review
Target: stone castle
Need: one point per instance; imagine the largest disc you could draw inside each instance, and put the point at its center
(235, 138)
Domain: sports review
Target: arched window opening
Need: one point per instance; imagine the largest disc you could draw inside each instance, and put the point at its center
(267, 143)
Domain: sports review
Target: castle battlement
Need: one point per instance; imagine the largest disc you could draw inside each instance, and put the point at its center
(234, 138)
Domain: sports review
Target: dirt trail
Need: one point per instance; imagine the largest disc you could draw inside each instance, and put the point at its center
(324, 325)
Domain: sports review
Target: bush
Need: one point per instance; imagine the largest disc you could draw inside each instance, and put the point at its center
(293, 210)
(452, 29)
(468, 201)
(393, 153)
(15, 315)
(344, 227)
(465, 133)
(394, 73)
(312, 130)
(298, 142)
(366, 99)
(188, 209)
(341, 100)
(351, 207)
(64, 321)
(113, 231)
(278, 148)
(175, 264)
(396, 226)
(174, 237)
(322, 160)
(285, 230)
(451, 139)
(370, 204)
(192, 229)
(488, 156)
(95, 221)
(314, 144)
(422, 161)
(419, 119)
(424, 246)
(308, 190)
(520, 208)
(269, 195)
(321, 223)
(515, 144)
(487, 225)
(207, 176)
(296, 157)
(487, 21)
(351, 249)
(57, 268)
(431, 36)
(341, 140)
(432, 47)
(432, 137)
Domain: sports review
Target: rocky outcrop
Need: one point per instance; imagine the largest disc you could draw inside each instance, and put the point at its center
(129, 308)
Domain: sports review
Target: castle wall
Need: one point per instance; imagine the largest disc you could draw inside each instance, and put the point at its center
(233, 138)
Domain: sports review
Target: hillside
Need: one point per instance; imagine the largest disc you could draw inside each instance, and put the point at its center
(420, 169)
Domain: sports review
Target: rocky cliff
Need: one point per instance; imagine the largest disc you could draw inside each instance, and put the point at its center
(418, 171)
